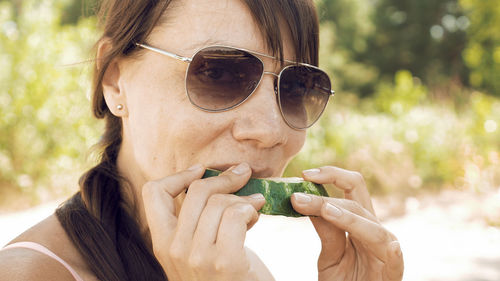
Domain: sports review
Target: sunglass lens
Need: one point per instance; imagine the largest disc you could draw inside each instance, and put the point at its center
(304, 93)
(219, 78)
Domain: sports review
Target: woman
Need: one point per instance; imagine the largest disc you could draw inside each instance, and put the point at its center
(184, 85)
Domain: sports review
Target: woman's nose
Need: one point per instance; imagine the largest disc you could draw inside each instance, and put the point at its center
(259, 118)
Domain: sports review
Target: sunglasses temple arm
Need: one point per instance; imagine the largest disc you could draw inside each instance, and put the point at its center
(165, 53)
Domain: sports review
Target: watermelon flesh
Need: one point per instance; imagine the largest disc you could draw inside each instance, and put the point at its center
(277, 192)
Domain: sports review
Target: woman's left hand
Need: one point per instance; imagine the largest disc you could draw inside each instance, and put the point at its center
(368, 251)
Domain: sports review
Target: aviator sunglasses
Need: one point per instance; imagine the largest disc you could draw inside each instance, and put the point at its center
(219, 78)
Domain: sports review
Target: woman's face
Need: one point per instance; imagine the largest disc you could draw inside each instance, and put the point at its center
(164, 133)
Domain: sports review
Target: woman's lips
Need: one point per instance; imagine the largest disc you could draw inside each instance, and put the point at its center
(257, 172)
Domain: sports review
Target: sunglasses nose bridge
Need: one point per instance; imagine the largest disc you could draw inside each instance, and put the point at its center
(276, 77)
(271, 73)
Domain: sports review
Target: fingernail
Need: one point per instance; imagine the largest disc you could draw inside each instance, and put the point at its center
(241, 169)
(311, 172)
(302, 198)
(195, 167)
(332, 210)
(257, 196)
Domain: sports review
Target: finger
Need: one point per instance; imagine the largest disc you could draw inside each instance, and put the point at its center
(333, 243)
(199, 191)
(158, 198)
(367, 231)
(210, 219)
(394, 266)
(202, 253)
(231, 235)
(352, 183)
(310, 205)
(333, 239)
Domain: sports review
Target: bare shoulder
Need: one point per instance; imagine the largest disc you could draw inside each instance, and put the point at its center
(28, 265)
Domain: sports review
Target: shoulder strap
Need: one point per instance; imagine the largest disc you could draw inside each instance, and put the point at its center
(39, 248)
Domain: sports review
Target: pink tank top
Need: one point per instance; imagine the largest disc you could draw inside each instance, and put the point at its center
(43, 250)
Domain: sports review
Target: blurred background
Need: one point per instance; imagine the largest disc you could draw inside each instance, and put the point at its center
(417, 112)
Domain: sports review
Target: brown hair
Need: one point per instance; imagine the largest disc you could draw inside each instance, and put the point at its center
(95, 218)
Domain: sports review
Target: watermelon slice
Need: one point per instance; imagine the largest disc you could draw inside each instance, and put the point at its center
(277, 192)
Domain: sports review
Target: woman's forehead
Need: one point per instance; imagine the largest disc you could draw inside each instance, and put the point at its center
(192, 24)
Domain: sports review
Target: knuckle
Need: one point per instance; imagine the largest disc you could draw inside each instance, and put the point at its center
(397, 247)
(176, 252)
(157, 252)
(216, 199)
(241, 210)
(161, 251)
(222, 265)
(196, 261)
(357, 179)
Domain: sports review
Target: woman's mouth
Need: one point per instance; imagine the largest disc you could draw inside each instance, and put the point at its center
(257, 172)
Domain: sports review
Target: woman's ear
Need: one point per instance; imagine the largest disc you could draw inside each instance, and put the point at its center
(113, 94)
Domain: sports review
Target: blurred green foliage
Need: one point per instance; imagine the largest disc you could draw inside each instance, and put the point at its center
(482, 55)
(401, 96)
(415, 107)
(436, 40)
(45, 122)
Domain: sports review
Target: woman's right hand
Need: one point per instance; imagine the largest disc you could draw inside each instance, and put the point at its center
(206, 240)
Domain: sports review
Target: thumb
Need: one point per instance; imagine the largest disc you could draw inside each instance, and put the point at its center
(333, 243)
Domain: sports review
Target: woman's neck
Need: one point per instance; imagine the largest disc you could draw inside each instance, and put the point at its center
(131, 192)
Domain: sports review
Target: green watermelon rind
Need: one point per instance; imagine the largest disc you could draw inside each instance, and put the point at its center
(277, 193)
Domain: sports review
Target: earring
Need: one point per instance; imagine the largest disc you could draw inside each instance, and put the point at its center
(119, 107)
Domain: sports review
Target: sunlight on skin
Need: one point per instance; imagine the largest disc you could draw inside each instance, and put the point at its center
(13, 224)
